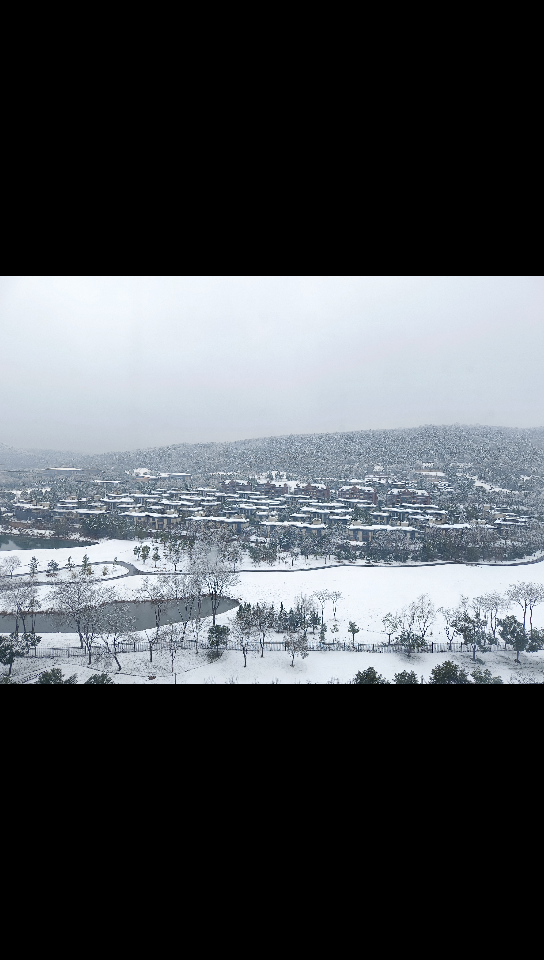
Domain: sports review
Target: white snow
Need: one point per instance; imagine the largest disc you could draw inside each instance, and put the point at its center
(368, 593)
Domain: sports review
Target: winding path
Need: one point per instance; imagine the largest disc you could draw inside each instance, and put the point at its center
(132, 571)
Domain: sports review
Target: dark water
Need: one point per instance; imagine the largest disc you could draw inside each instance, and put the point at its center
(41, 543)
(144, 614)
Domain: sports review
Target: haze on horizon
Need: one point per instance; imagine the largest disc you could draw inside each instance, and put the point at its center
(96, 364)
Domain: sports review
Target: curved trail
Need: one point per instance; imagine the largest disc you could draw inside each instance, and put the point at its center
(132, 571)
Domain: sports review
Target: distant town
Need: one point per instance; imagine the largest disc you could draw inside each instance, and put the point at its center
(424, 513)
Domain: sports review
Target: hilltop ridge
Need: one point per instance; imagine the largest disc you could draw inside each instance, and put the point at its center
(494, 453)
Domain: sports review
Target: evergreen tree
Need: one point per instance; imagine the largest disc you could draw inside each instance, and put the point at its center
(406, 676)
(448, 672)
(514, 633)
(473, 631)
(15, 646)
(146, 550)
(218, 637)
(411, 642)
(536, 640)
(99, 678)
(484, 676)
(353, 629)
(369, 676)
(55, 676)
(314, 620)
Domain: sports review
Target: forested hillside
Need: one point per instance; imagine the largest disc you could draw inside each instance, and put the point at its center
(500, 455)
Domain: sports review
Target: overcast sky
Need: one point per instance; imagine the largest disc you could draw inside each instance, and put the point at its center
(114, 363)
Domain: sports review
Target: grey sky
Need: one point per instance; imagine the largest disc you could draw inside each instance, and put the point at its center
(113, 363)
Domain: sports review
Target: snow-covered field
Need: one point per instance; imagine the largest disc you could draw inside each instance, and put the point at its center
(101, 571)
(276, 667)
(109, 550)
(368, 593)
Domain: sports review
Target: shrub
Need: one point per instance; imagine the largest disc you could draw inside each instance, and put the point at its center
(368, 676)
(448, 672)
(55, 676)
(406, 676)
(484, 676)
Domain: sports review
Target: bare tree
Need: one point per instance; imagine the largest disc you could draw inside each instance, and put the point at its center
(189, 605)
(115, 625)
(297, 645)
(218, 580)
(9, 566)
(491, 604)
(174, 551)
(229, 550)
(245, 633)
(536, 597)
(392, 622)
(451, 616)
(153, 637)
(157, 592)
(20, 601)
(197, 626)
(335, 596)
(526, 596)
(322, 596)
(78, 603)
(419, 616)
(173, 634)
(186, 598)
(264, 618)
(305, 607)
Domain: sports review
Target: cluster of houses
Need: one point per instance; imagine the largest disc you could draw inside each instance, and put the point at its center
(363, 509)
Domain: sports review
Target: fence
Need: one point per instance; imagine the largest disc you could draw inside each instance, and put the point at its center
(273, 646)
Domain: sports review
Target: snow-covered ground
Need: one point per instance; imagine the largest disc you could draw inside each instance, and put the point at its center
(107, 551)
(490, 486)
(324, 667)
(368, 593)
(101, 571)
(104, 552)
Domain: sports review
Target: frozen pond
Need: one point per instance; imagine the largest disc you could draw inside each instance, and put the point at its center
(144, 614)
(41, 543)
